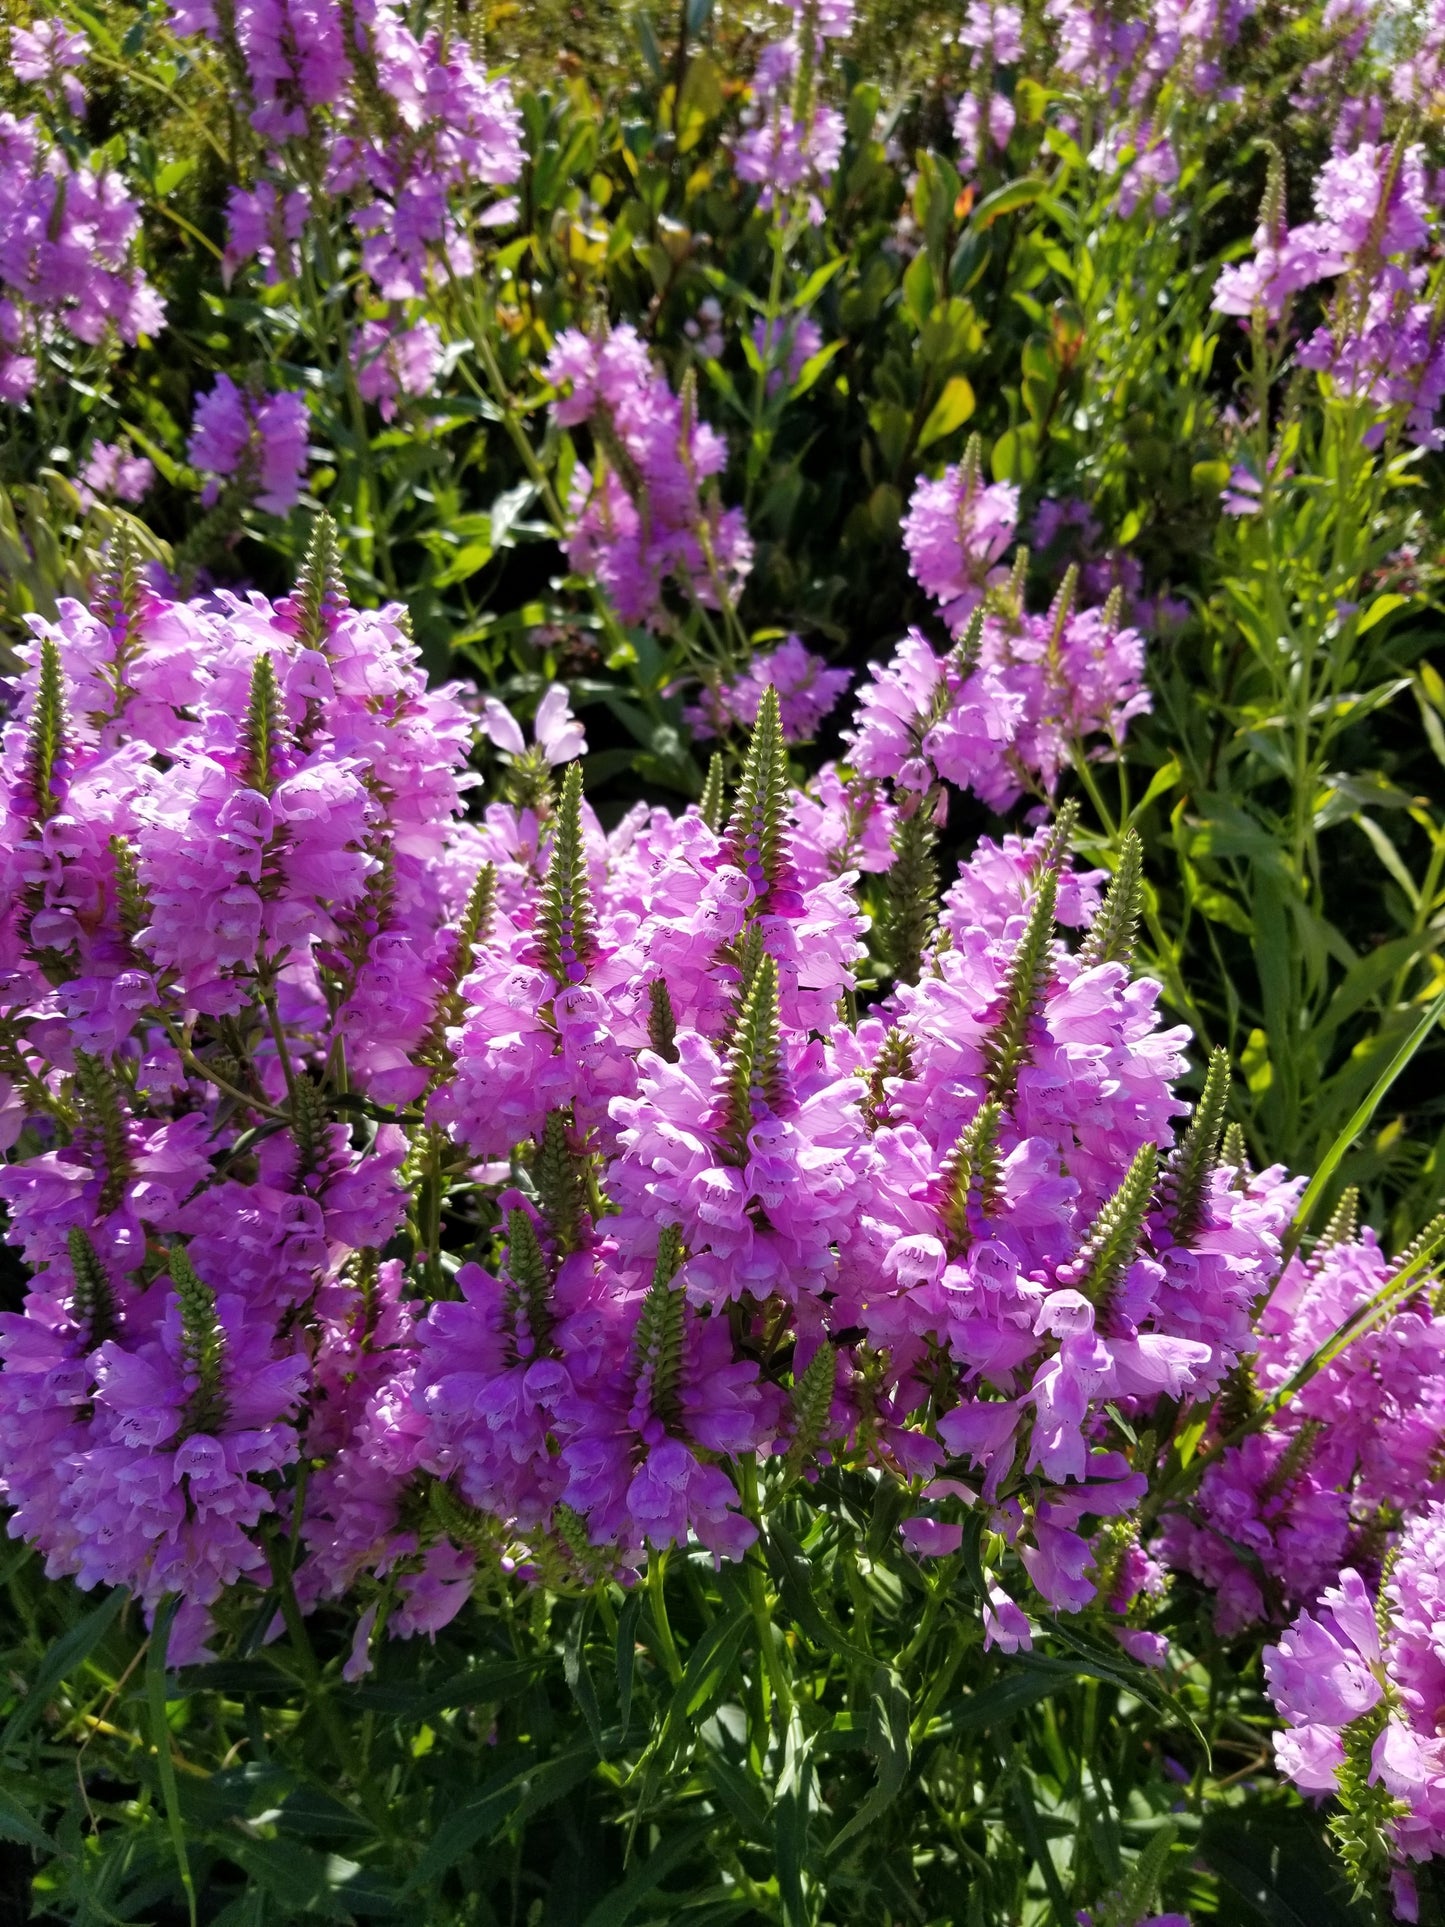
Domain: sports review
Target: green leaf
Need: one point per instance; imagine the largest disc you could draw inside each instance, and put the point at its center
(626, 1657)
(161, 1739)
(798, 1588)
(303, 1881)
(889, 1716)
(169, 177)
(919, 289)
(817, 281)
(579, 1680)
(622, 1903)
(702, 100)
(1280, 1868)
(508, 1799)
(952, 409)
(793, 1805)
(1008, 199)
(19, 1824)
(1382, 606)
(64, 1658)
(1163, 779)
(814, 368)
(1354, 1129)
(476, 1820)
(998, 1702)
(415, 1703)
(734, 1786)
(468, 561)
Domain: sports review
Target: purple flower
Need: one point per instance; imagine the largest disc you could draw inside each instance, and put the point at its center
(112, 473)
(955, 531)
(641, 517)
(256, 442)
(559, 736)
(392, 362)
(808, 691)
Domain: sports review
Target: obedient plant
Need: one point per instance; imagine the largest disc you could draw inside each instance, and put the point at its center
(422, 1202)
(760, 1250)
(245, 901)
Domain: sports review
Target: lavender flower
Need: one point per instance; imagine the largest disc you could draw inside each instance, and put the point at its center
(256, 443)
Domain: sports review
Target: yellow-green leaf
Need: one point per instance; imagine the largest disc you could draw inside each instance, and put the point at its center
(950, 411)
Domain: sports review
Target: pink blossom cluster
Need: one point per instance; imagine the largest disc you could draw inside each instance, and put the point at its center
(47, 53)
(1322, 1503)
(1130, 64)
(1373, 234)
(791, 141)
(993, 32)
(112, 474)
(411, 134)
(1359, 1682)
(68, 234)
(251, 443)
(283, 1030)
(641, 513)
(1278, 1513)
(808, 692)
(230, 854)
(1004, 712)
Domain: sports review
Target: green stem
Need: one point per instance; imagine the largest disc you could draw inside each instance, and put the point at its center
(317, 1687)
(657, 1607)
